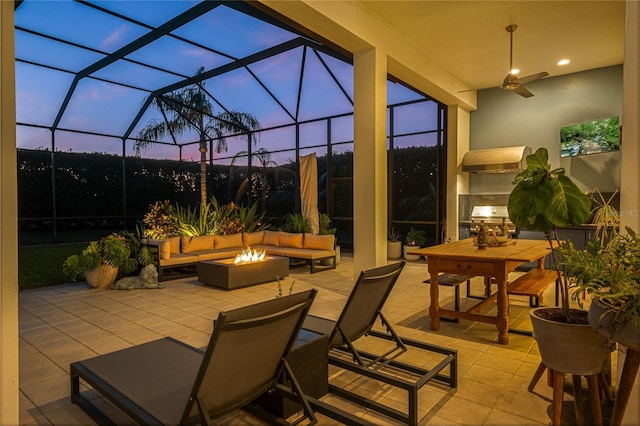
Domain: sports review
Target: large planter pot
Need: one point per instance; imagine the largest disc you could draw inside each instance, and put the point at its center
(626, 334)
(569, 348)
(102, 277)
(394, 249)
(410, 257)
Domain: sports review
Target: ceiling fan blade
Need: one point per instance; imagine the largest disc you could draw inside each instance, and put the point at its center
(532, 77)
(522, 91)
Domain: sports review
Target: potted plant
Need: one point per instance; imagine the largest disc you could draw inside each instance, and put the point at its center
(610, 275)
(414, 239)
(543, 200)
(324, 228)
(101, 261)
(394, 244)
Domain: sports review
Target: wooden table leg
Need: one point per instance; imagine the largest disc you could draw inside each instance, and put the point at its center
(434, 306)
(627, 378)
(502, 319)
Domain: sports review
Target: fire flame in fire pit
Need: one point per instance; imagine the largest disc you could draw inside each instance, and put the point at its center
(248, 256)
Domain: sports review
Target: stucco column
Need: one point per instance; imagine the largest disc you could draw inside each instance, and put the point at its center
(630, 176)
(458, 124)
(370, 160)
(9, 409)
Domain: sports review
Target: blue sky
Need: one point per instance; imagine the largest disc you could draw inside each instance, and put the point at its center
(217, 38)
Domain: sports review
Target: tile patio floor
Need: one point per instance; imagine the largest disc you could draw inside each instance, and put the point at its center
(67, 323)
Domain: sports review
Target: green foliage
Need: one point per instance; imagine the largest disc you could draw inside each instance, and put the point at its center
(324, 225)
(605, 216)
(394, 235)
(415, 237)
(279, 291)
(161, 221)
(544, 199)
(113, 250)
(609, 274)
(296, 222)
(199, 221)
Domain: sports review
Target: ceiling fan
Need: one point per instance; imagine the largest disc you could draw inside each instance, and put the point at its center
(511, 81)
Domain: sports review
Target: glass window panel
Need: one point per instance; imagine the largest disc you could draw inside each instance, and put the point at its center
(232, 32)
(314, 133)
(163, 10)
(39, 93)
(73, 21)
(342, 129)
(416, 117)
(280, 74)
(422, 139)
(278, 139)
(238, 90)
(32, 138)
(415, 184)
(343, 198)
(101, 107)
(31, 47)
(398, 93)
(82, 142)
(343, 71)
(157, 151)
(342, 161)
(136, 75)
(185, 58)
(320, 94)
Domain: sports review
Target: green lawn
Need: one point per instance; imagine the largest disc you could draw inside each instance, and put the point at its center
(41, 266)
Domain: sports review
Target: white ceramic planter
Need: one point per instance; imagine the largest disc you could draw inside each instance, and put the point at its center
(394, 249)
(570, 348)
(410, 257)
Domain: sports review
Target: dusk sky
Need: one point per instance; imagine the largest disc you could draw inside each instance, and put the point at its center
(218, 37)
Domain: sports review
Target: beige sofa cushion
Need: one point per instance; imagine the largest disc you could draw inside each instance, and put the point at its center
(228, 241)
(271, 238)
(251, 239)
(288, 239)
(191, 244)
(164, 247)
(319, 242)
(174, 243)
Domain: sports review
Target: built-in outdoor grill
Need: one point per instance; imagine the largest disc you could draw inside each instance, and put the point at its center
(492, 217)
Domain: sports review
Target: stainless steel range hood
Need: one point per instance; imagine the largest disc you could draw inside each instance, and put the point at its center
(496, 160)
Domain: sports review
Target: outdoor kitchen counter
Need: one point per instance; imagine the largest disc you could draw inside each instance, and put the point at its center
(463, 257)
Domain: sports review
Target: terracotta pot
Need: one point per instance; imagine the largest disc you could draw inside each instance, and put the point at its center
(102, 277)
(626, 334)
(570, 348)
(394, 249)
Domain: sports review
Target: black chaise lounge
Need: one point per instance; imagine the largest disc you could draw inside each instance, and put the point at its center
(357, 319)
(168, 382)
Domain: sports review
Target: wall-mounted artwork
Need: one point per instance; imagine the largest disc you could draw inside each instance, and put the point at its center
(591, 137)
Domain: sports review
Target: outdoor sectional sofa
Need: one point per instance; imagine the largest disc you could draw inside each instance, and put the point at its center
(176, 257)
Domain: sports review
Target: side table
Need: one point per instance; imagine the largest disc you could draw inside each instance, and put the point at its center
(309, 360)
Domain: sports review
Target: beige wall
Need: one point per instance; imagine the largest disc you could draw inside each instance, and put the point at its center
(8, 224)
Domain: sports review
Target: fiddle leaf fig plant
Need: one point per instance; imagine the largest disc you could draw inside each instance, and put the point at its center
(544, 199)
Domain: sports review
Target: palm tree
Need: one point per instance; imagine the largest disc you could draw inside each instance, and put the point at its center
(190, 109)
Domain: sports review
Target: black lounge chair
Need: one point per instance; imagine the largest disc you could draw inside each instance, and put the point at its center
(357, 319)
(168, 382)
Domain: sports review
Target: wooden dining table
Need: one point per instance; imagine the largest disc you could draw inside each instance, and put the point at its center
(463, 257)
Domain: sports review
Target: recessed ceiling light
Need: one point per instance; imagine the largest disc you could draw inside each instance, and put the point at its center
(563, 61)
(515, 71)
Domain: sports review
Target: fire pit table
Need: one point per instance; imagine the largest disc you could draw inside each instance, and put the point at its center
(224, 273)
